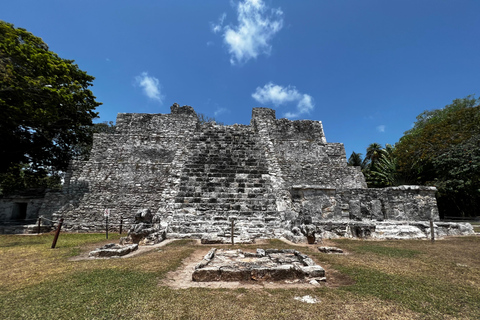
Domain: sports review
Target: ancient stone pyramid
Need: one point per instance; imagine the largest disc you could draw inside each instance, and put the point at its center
(270, 176)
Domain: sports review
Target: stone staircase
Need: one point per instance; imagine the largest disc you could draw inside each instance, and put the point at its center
(225, 177)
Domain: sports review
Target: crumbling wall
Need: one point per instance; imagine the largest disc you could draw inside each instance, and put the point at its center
(317, 203)
(131, 169)
(302, 153)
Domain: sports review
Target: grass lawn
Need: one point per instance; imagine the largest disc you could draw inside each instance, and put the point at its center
(410, 279)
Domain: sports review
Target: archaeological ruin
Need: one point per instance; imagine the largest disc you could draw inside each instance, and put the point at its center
(273, 178)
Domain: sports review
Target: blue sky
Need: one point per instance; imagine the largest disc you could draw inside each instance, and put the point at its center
(364, 68)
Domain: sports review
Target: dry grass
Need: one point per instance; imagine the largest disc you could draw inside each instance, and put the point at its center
(376, 280)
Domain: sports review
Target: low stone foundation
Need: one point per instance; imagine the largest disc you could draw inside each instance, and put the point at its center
(389, 229)
(270, 264)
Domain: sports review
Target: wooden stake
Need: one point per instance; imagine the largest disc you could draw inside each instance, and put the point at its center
(106, 225)
(57, 233)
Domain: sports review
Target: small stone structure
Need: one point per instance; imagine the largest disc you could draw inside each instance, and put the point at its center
(270, 177)
(264, 265)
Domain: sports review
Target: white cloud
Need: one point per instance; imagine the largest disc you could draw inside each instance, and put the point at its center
(257, 24)
(219, 26)
(381, 128)
(278, 95)
(219, 111)
(150, 85)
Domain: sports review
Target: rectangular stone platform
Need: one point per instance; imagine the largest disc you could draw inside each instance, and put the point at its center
(270, 264)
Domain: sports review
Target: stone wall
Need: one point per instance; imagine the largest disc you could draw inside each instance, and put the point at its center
(10, 209)
(405, 203)
(267, 177)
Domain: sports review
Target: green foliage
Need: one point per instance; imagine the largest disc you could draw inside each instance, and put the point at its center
(355, 160)
(380, 167)
(46, 109)
(374, 152)
(442, 150)
(458, 178)
(434, 133)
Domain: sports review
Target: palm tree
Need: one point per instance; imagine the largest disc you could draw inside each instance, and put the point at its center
(374, 152)
(386, 172)
(355, 159)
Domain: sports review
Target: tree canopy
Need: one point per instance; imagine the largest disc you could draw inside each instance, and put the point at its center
(46, 108)
(434, 132)
(442, 149)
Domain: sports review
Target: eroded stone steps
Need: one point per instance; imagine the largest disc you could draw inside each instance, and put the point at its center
(225, 176)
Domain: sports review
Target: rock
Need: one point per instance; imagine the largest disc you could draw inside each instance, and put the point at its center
(211, 239)
(260, 253)
(314, 282)
(355, 210)
(313, 271)
(330, 250)
(113, 250)
(307, 299)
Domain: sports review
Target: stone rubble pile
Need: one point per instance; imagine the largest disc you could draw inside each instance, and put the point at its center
(146, 230)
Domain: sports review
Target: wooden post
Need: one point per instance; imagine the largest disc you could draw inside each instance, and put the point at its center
(57, 233)
(39, 222)
(121, 224)
(106, 225)
(432, 230)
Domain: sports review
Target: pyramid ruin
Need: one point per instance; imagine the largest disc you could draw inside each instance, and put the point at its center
(272, 178)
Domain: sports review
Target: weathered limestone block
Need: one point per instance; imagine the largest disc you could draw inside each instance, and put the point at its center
(330, 250)
(355, 210)
(112, 250)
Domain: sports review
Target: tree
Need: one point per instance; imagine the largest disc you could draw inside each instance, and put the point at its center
(355, 160)
(442, 150)
(458, 178)
(386, 172)
(46, 108)
(374, 152)
(433, 133)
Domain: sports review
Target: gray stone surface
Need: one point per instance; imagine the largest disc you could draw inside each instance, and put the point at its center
(270, 264)
(330, 250)
(113, 250)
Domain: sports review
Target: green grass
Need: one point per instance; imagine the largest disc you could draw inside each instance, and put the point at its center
(375, 280)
